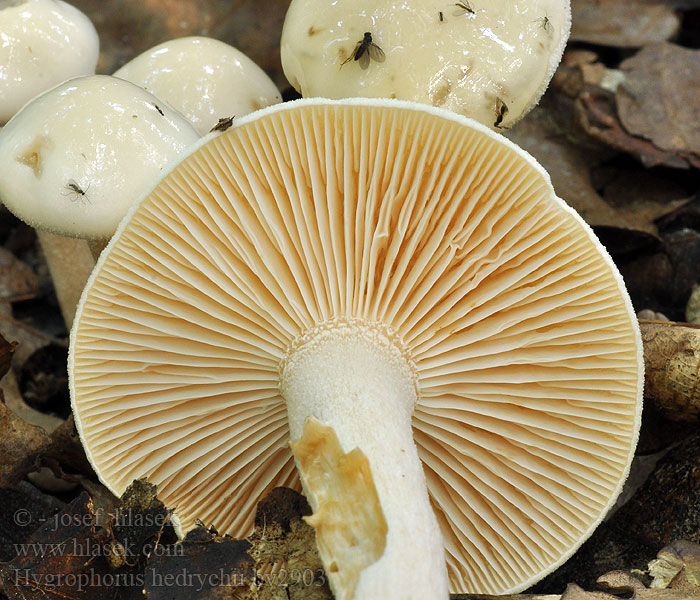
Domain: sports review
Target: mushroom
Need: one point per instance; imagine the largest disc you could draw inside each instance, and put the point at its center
(397, 291)
(76, 157)
(44, 42)
(489, 60)
(203, 78)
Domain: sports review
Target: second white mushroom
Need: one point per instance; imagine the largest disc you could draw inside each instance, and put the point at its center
(203, 78)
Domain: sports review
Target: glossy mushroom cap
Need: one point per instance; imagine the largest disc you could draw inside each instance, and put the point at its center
(78, 156)
(487, 59)
(435, 243)
(203, 78)
(42, 43)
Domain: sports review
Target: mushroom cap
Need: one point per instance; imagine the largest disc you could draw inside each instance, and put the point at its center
(441, 233)
(473, 59)
(44, 42)
(78, 156)
(203, 78)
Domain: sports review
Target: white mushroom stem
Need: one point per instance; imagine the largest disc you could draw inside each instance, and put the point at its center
(355, 380)
(70, 262)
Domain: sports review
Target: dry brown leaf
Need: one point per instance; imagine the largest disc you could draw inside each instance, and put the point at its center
(140, 524)
(596, 113)
(622, 23)
(659, 100)
(621, 583)
(677, 566)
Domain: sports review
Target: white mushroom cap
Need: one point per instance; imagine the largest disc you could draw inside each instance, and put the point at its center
(42, 43)
(203, 78)
(78, 156)
(474, 59)
(406, 277)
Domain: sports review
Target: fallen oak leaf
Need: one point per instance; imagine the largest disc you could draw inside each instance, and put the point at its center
(567, 161)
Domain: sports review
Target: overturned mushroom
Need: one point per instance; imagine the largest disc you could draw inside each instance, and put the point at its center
(489, 60)
(203, 78)
(397, 291)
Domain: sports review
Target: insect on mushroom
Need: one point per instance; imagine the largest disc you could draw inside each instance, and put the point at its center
(501, 111)
(162, 114)
(545, 23)
(223, 124)
(365, 50)
(463, 7)
(74, 189)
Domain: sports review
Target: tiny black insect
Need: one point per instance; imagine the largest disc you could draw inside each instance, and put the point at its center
(442, 18)
(75, 189)
(501, 111)
(162, 114)
(463, 7)
(546, 24)
(365, 50)
(223, 124)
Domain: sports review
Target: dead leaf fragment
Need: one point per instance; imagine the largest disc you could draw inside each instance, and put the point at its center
(17, 280)
(676, 565)
(595, 111)
(622, 23)
(623, 585)
(659, 101)
(21, 446)
(139, 527)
